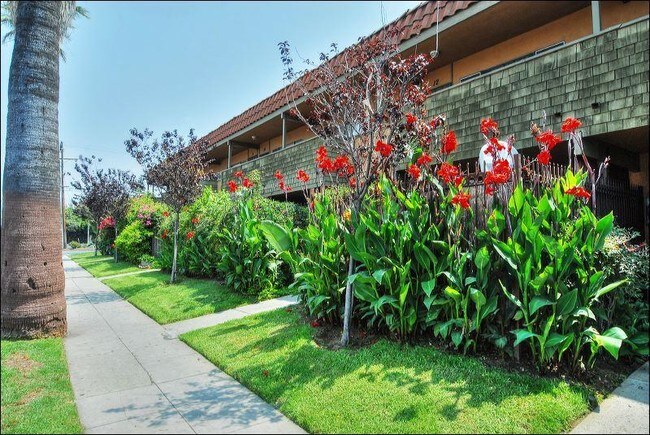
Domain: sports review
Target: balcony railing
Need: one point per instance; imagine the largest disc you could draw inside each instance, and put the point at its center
(288, 160)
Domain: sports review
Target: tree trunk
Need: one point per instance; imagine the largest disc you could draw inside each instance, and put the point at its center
(347, 313)
(114, 245)
(173, 277)
(33, 281)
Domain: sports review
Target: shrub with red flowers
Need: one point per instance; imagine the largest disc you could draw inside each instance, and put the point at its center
(418, 261)
(422, 265)
(141, 224)
(107, 222)
(104, 193)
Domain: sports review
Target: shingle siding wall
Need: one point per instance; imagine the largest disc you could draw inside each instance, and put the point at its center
(288, 161)
(611, 69)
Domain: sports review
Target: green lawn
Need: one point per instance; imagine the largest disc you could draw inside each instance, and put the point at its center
(384, 387)
(185, 299)
(36, 392)
(102, 265)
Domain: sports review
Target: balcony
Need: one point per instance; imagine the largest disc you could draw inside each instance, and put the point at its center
(288, 160)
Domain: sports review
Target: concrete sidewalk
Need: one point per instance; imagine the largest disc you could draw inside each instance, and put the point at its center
(624, 411)
(128, 377)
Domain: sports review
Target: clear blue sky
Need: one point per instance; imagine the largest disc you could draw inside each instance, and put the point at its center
(182, 65)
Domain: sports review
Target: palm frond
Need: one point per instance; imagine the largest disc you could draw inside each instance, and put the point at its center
(8, 36)
(69, 12)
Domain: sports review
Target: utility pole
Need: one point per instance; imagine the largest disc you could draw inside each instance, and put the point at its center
(63, 228)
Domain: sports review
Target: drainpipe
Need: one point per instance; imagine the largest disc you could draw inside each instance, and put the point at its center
(229, 154)
(595, 16)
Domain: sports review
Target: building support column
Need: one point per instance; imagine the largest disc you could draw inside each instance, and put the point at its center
(284, 130)
(229, 155)
(595, 17)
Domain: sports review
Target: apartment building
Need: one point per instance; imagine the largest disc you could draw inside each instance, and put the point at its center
(512, 60)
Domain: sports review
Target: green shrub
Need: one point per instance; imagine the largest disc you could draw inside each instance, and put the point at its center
(105, 241)
(316, 256)
(198, 255)
(206, 218)
(147, 260)
(551, 260)
(410, 278)
(134, 241)
(627, 307)
(246, 260)
(74, 244)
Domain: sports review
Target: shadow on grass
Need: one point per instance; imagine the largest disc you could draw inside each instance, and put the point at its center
(284, 360)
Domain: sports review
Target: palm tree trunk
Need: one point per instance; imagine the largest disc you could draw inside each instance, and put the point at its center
(33, 282)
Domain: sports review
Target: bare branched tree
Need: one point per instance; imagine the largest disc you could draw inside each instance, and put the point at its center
(175, 166)
(367, 105)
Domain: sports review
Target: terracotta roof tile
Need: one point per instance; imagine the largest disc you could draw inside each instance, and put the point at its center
(413, 22)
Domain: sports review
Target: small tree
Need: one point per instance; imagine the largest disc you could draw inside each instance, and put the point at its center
(367, 105)
(174, 165)
(104, 192)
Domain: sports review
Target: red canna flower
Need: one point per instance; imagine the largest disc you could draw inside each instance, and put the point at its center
(449, 142)
(302, 176)
(165, 214)
(321, 153)
(489, 125)
(232, 186)
(414, 171)
(458, 180)
(195, 220)
(283, 186)
(544, 157)
(278, 175)
(499, 174)
(326, 165)
(107, 222)
(424, 159)
(239, 174)
(549, 139)
(462, 199)
(190, 235)
(448, 172)
(383, 148)
(341, 162)
(247, 183)
(570, 125)
(579, 192)
(352, 182)
(323, 162)
(410, 119)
